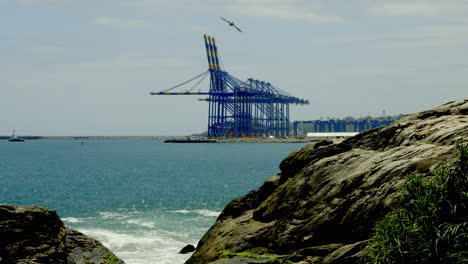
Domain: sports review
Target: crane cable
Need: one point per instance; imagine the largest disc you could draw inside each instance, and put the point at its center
(199, 81)
(194, 78)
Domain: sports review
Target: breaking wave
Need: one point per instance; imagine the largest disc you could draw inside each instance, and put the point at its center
(153, 237)
(200, 212)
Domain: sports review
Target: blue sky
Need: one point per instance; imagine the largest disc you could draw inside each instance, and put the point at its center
(87, 67)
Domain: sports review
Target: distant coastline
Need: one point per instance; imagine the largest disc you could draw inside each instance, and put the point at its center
(91, 137)
(220, 140)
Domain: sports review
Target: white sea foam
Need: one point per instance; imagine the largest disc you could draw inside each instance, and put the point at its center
(207, 213)
(141, 246)
(203, 212)
(182, 211)
(112, 215)
(153, 237)
(72, 220)
(142, 223)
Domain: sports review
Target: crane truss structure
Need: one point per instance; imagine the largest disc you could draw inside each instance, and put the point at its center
(238, 108)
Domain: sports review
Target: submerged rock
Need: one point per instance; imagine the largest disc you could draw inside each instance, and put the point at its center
(33, 235)
(323, 204)
(187, 249)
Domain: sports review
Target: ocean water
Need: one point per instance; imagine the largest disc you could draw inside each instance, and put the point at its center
(143, 199)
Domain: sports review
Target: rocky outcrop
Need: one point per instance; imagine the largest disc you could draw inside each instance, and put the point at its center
(82, 249)
(31, 234)
(323, 204)
(35, 235)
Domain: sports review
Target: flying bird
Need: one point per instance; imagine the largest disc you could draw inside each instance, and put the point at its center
(230, 23)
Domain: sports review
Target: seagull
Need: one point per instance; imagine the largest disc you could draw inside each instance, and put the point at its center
(230, 23)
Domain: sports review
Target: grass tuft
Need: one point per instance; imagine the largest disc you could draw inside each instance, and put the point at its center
(430, 224)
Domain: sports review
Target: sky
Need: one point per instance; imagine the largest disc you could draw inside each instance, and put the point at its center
(86, 67)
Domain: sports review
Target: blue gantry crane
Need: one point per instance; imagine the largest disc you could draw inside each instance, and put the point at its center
(236, 108)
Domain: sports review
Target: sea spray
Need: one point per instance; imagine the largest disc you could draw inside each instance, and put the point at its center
(146, 237)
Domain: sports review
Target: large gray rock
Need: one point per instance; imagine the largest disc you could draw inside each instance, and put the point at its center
(31, 234)
(36, 235)
(323, 204)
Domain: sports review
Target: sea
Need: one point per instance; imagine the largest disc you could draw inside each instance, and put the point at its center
(143, 199)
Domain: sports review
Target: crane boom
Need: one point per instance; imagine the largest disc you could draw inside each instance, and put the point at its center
(240, 108)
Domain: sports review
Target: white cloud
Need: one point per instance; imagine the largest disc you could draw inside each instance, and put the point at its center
(136, 60)
(48, 3)
(410, 67)
(161, 5)
(164, 26)
(443, 35)
(431, 36)
(31, 1)
(427, 36)
(294, 10)
(420, 8)
(49, 49)
(121, 22)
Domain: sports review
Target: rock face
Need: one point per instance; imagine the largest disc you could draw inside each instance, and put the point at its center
(82, 249)
(323, 204)
(33, 235)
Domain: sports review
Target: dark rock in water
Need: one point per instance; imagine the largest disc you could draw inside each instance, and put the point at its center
(323, 204)
(187, 249)
(35, 235)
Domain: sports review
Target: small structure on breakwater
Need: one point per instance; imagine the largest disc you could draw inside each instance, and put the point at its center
(190, 140)
(340, 126)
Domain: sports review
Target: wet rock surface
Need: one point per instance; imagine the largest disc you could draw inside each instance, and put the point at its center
(83, 249)
(323, 204)
(31, 234)
(187, 249)
(36, 235)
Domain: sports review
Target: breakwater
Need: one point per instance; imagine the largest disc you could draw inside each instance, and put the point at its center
(91, 137)
(249, 140)
(179, 139)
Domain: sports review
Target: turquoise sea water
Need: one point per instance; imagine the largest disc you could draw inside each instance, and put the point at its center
(144, 199)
